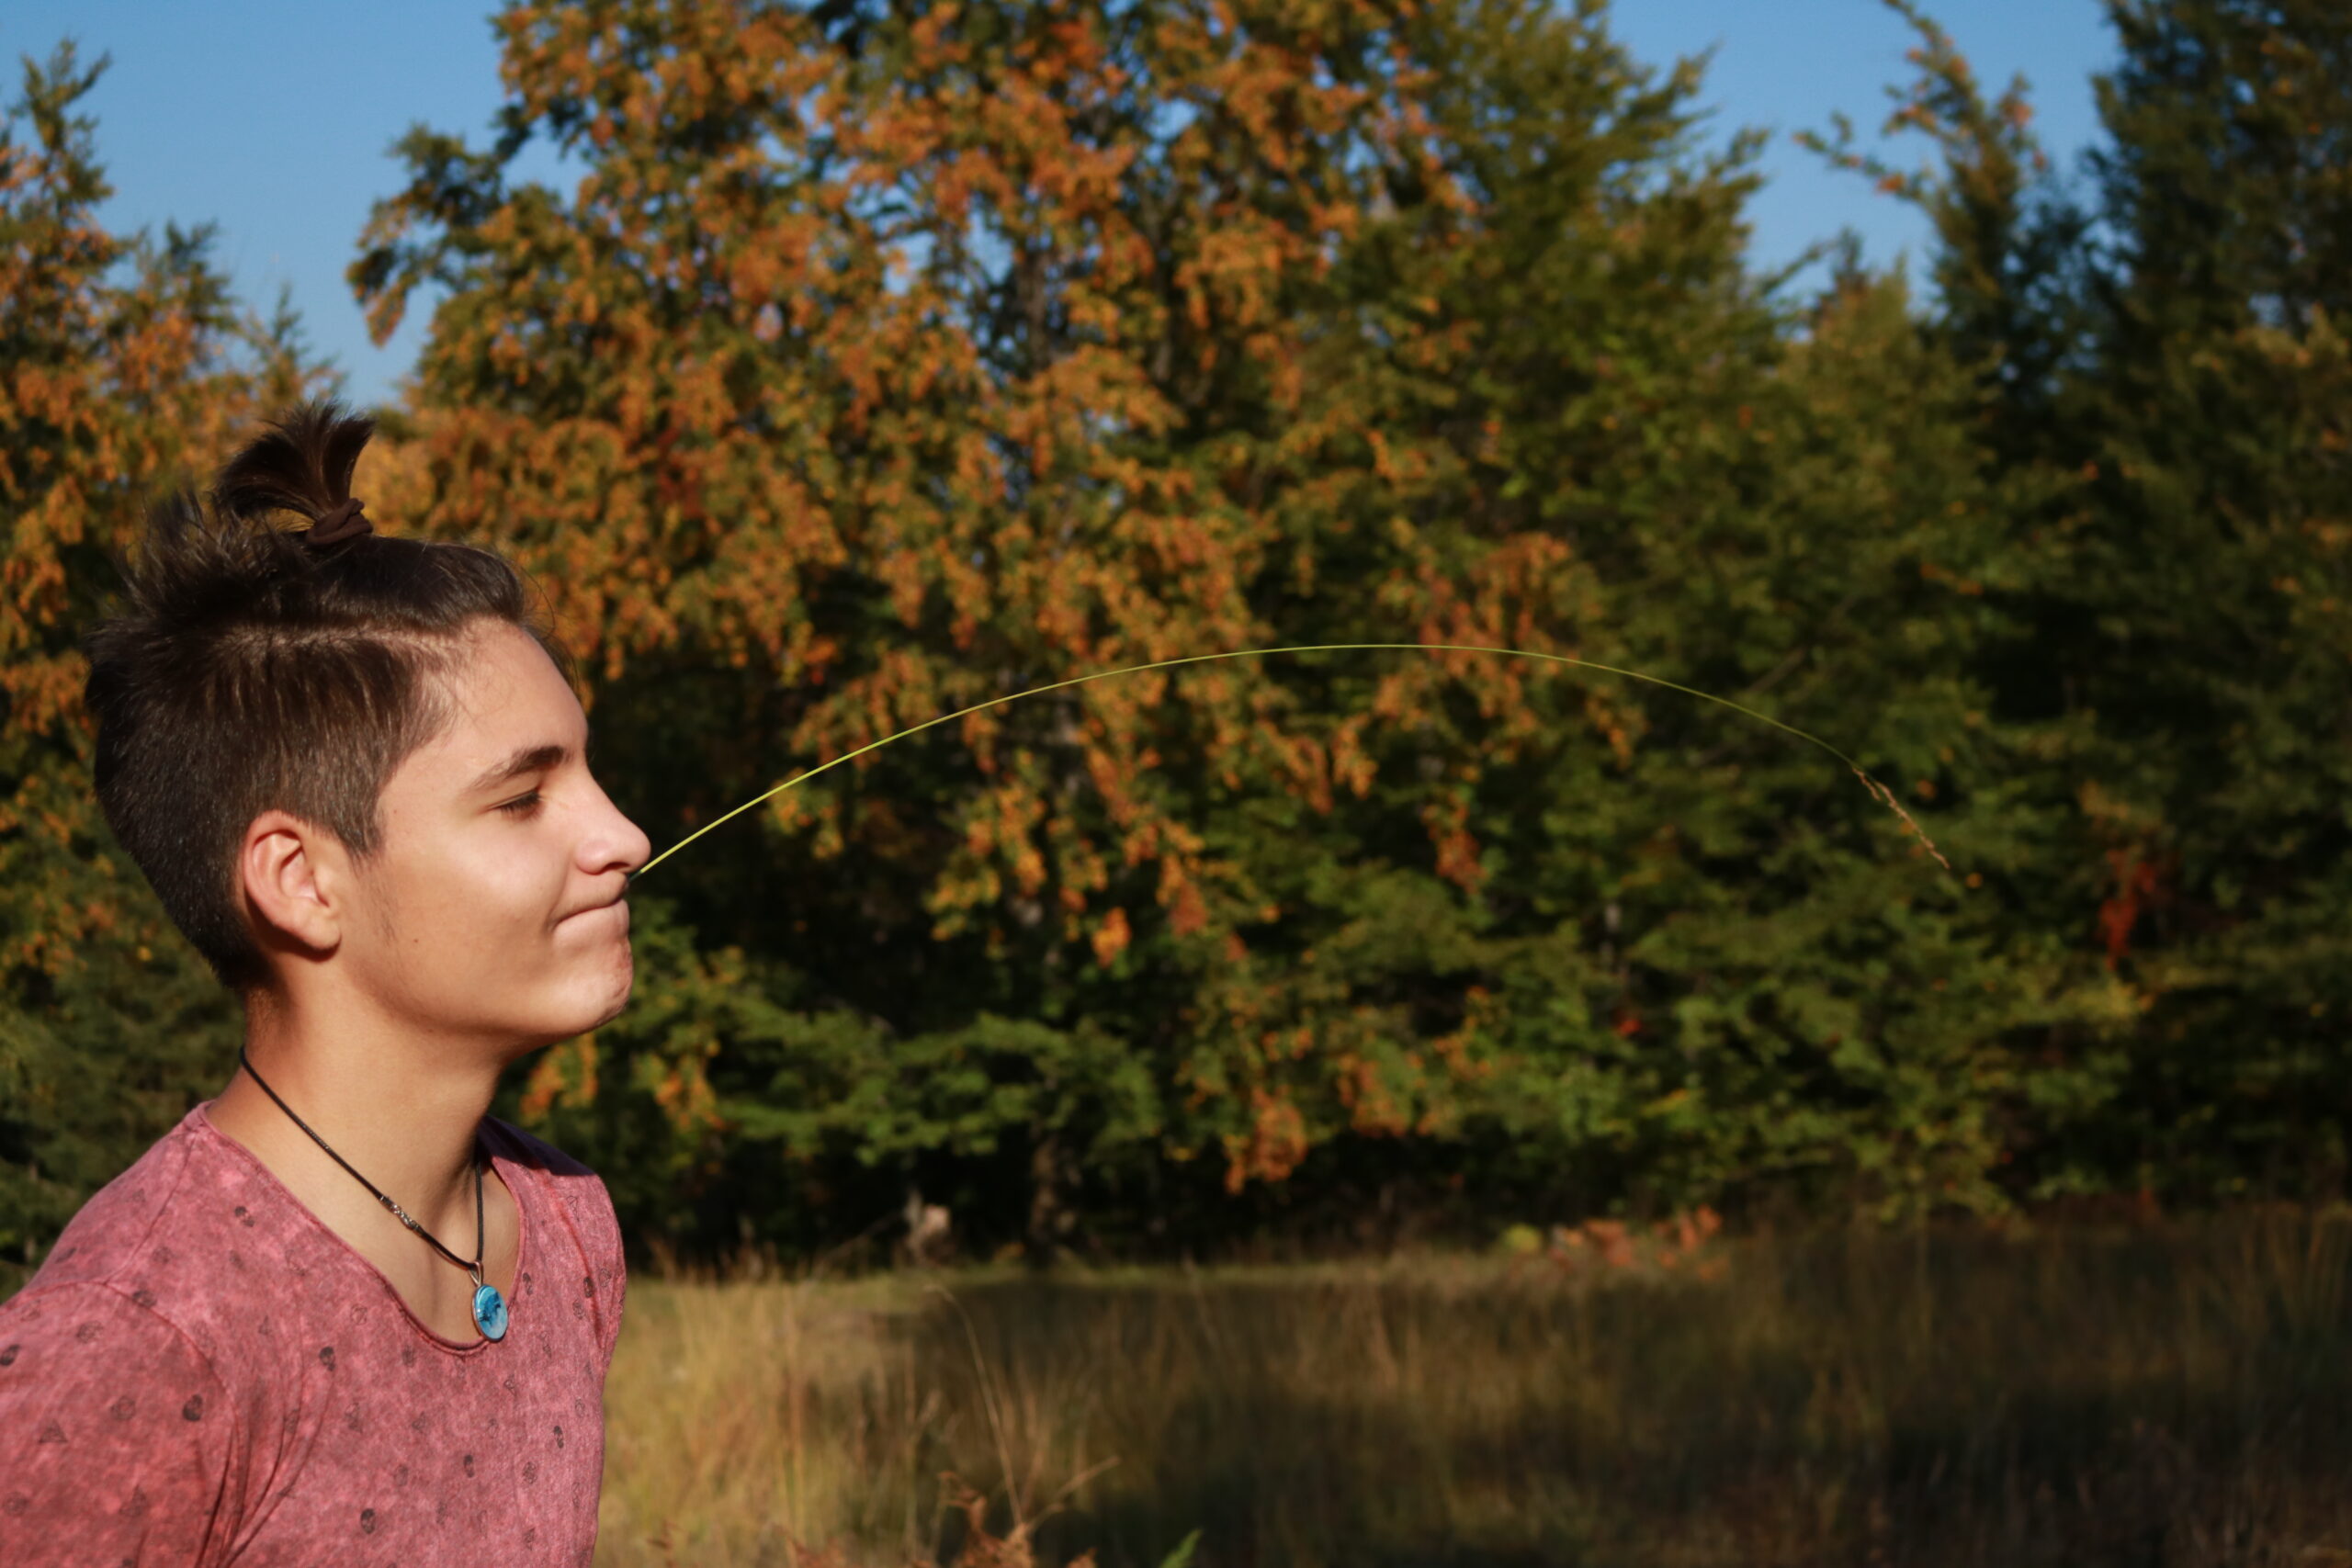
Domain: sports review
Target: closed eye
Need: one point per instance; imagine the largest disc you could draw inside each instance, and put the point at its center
(522, 806)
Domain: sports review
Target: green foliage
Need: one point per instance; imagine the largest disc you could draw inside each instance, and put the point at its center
(2203, 623)
(2183, 385)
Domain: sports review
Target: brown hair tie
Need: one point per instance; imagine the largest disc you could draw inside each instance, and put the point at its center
(344, 522)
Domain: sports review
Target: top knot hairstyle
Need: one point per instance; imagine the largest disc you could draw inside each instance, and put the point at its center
(259, 665)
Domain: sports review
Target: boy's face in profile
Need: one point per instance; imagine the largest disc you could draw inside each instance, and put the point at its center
(491, 910)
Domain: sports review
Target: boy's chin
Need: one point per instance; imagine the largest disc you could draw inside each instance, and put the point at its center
(569, 1016)
(608, 1002)
(580, 1020)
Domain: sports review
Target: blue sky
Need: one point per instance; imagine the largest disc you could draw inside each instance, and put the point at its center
(274, 119)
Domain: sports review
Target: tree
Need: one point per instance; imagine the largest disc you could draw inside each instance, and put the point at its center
(2164, 350)
(122, 362)
(2207, 630)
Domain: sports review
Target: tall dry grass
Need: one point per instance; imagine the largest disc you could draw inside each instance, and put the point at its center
(2166, 1395)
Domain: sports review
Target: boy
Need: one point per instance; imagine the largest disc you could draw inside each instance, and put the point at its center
(338, 1313)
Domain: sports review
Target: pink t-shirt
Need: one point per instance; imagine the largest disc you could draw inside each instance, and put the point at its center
(202, 1372)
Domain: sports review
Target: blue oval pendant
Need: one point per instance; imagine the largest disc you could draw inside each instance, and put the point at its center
(490, 1311)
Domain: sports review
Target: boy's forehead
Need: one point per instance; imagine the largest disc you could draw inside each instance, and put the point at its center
(505, 698)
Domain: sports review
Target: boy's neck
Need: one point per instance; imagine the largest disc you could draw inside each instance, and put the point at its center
(403, 1113)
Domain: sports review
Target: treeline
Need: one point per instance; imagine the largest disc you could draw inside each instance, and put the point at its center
(890, 357)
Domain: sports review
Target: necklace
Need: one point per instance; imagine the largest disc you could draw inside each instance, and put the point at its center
(489, 1307)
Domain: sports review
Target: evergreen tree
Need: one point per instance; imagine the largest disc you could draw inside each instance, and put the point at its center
(2166, 351)
(2207, 629)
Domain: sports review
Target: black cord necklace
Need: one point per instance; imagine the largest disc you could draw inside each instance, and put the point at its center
(489, 1307)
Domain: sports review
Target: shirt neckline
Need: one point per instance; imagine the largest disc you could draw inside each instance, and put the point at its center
(505, 1168)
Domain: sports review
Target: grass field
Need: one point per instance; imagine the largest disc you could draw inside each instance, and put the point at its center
(2179, 1393)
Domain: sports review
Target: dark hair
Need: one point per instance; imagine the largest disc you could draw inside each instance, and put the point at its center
(251, 669)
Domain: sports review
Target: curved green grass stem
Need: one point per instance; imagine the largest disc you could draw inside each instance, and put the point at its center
(1879, 791)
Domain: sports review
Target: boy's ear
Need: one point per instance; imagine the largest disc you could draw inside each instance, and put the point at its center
(293, 873)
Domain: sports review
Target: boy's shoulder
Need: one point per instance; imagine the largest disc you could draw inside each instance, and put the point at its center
(537, 1153)
(130, 1226)
(577, 1190)
(166, 1264)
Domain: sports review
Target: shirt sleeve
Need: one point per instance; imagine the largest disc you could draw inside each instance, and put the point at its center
(610, 1269)
(114, 1435)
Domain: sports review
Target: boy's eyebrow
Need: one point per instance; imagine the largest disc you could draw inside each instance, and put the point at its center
(525, 760)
